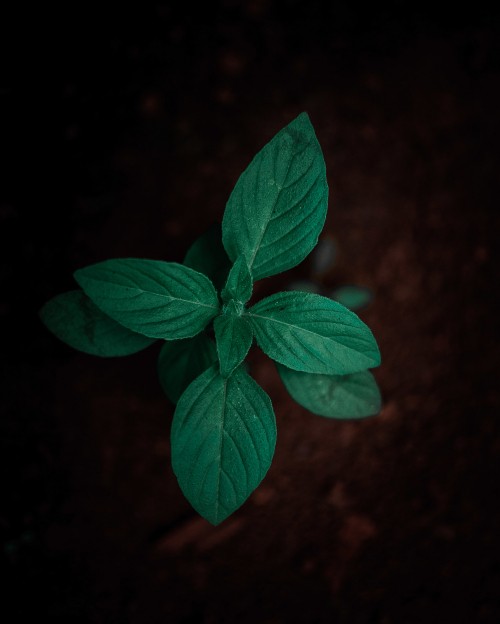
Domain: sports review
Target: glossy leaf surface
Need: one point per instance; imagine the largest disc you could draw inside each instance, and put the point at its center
(313, 334)
(223, 440)
(181, 361)
(208, 256)
(154, 298)
(239, 282)
(234, 337)
(278, 206)
(334, 396)
(75, 320)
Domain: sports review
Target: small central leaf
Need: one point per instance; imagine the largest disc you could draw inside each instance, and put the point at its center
(234, 337)
(239, 282)
(233, 308)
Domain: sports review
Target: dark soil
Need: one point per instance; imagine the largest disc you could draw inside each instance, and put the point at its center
(392, 520)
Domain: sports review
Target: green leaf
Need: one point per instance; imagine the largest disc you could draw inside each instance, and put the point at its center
(75, 320)
(208, 256)
(181, 361)
(223, 439)
(155, 298)
(353, 297)
(313, 334)
(239, 282)
(278, 206)
(334, 396)
(234, 337)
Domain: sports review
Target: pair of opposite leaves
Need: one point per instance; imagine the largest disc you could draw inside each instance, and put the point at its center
(224, 431)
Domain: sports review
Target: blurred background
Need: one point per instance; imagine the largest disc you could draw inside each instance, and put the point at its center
(123, 133)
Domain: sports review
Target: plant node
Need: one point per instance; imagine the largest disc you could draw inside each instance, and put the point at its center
(233, 308)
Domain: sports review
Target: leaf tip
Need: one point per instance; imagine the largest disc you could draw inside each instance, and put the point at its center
(302, 122)
(303, 117)
(215, 518)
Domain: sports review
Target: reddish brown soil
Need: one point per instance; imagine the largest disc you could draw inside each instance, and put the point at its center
(393, 520)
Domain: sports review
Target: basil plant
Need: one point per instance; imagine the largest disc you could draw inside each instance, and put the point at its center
(223, 432)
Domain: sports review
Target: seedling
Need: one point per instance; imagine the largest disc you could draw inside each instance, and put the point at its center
(224, 430)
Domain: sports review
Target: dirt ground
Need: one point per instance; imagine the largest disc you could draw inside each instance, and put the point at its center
(132, 151)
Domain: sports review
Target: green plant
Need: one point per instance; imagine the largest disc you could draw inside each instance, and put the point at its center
(224, 431)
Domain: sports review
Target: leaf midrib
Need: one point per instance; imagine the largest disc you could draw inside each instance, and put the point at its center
(141, 291)
(269, 216)
(308, 331)
(221, 442)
